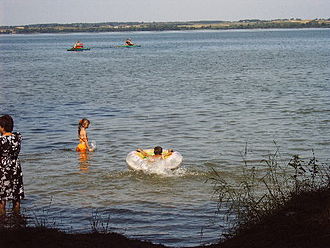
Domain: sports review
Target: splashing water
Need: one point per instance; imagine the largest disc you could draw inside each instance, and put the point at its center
(93, 145)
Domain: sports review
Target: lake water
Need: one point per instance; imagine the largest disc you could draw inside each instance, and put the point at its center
(205, 94)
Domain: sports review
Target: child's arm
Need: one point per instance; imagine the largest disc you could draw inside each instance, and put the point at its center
(168, 153)
(143, 152)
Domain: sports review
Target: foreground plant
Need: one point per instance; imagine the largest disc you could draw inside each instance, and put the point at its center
(261, 192)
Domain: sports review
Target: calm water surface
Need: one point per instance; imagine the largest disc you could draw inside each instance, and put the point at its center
(205, 94)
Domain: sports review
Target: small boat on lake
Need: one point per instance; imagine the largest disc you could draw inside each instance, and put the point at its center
(78, 49)
(78, 46)
(129, 43)
(129, 46)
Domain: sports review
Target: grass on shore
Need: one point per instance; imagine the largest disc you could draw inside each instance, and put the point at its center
(283, 206)
(35, 237)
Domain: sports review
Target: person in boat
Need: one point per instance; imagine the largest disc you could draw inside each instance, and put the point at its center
(83, 145)
(78, 45)
(158, 153)
(129, 42)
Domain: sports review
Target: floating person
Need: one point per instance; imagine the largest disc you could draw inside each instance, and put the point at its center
(11, 176)
(154, 158)
(158, 153)
(129, 42)
(83, 145)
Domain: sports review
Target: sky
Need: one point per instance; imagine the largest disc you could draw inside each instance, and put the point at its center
(23, 12)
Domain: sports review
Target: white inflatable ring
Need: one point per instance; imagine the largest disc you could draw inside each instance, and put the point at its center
(137, 161)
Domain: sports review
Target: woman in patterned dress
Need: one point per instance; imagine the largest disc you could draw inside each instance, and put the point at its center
(11, 177)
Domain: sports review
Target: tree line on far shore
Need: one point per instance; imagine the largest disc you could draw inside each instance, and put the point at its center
(163, 26)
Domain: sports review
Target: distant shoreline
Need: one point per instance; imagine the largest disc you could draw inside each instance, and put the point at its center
(164, 26)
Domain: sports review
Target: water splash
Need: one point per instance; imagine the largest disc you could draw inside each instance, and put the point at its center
(93, 145)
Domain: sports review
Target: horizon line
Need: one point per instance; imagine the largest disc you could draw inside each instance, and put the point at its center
(205, 20)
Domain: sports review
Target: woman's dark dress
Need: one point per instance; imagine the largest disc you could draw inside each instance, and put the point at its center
(11, 176)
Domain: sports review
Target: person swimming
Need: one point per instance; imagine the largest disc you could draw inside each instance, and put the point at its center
(158, 153)
(83, 145)
(156, 158)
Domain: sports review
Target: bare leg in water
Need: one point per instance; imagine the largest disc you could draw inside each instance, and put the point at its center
(16, 207)
(2, 208)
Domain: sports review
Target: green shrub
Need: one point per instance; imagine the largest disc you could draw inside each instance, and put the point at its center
(265, 187)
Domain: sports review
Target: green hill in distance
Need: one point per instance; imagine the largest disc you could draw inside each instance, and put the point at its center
(164, 26)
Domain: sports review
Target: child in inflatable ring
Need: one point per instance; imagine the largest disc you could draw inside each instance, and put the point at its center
(158, 153)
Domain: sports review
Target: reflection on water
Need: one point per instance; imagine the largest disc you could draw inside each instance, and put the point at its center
(84, 161)
(204, 94)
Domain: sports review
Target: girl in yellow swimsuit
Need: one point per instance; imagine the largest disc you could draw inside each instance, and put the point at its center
(82, 135)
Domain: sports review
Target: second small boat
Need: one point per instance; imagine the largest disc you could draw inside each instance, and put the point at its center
(129, 46)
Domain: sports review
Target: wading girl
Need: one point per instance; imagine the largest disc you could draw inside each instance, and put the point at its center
(83, 145)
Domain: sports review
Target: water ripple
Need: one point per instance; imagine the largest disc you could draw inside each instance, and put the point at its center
(210, 95)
